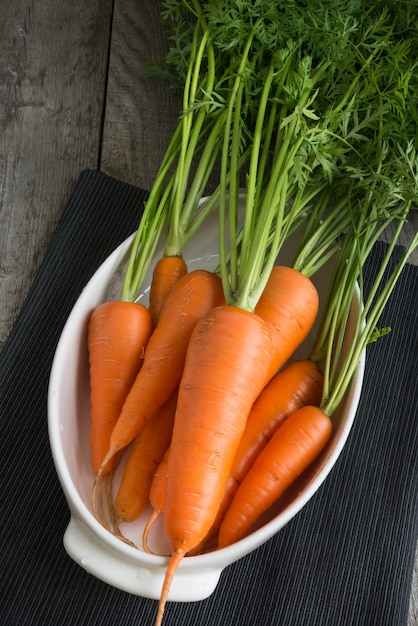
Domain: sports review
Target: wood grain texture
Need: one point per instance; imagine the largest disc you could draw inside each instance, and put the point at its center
(140, 111)
(73, 95)
(52, 77)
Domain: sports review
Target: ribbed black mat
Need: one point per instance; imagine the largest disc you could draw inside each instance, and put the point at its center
(345, 560)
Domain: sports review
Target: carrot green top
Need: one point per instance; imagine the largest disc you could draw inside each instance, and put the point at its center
(310, 108)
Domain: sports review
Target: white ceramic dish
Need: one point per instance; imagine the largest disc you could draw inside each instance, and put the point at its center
(85, 540)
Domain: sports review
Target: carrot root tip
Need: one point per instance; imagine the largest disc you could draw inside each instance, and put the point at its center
(119, 535)
(175, 560)
(147, 530)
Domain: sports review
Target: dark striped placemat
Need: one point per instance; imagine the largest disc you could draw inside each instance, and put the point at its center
(345, 560)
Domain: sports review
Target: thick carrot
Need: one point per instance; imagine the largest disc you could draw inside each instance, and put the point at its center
(293, 323)
(192, 296)
(293, 447)
(226, 366)
(118, 333)
(167, 272)
(297, 384)
(144, 456)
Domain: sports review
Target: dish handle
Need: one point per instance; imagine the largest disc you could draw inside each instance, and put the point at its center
(129, 575)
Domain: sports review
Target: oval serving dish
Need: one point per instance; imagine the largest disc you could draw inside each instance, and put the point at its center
(86, 541)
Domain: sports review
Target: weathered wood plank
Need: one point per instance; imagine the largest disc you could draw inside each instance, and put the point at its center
(140, 111)
(52, 86)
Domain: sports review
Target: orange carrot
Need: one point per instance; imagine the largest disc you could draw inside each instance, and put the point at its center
(157, 490)
(193, 295)
(144, 456)
(291, 324)
(226, 366)
(118, 333)
(297, 384)
(293, 447)
(166, 273)
(156, 497)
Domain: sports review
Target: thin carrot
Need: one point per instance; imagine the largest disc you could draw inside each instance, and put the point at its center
(156, 494)
(167, 272)
(144, 456)
(118, 333)
(156, 497)
(295, 322)
(293, 447)
(297, 384)
(193, 295)
(222, 377)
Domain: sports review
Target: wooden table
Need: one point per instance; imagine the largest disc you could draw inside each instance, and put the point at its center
(73, 96)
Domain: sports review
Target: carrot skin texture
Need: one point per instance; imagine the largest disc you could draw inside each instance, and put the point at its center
(297, 384)
(293, 447)
(290, 303)
(192, 296)
(118, 333)
(146, 453)
(168, 270)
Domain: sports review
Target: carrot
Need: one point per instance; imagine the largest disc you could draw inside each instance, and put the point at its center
(293, 447)
(118, 333)
(157, 490)
(156, 497)
(167, 271)
(286, 283)
(193, 295)
(298, 384)
(227, 361)
(144, 456)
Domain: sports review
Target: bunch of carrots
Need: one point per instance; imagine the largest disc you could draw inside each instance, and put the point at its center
(199, 392)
